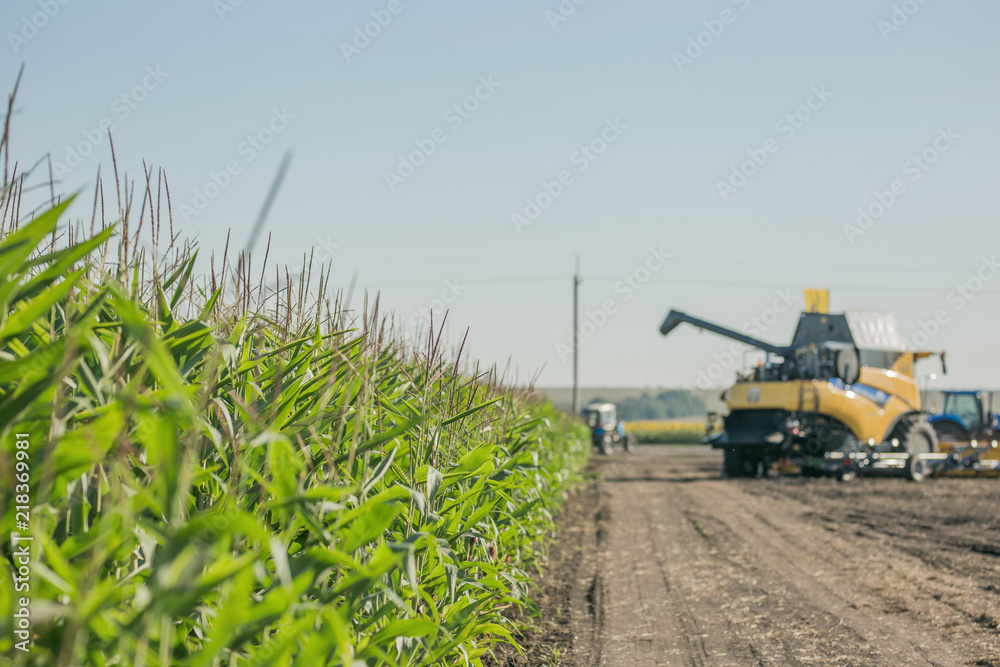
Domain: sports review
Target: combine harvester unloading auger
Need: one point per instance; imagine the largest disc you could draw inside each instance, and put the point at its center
(840, 400)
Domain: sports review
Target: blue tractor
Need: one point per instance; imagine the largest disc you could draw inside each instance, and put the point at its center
(967, 416)
(606, 430)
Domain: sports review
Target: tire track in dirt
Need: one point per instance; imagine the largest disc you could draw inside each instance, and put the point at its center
(680, 567)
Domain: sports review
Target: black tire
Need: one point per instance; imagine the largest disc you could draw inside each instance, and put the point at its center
(732, 463)
(916, 437)
(906, 431)
(916, 469)
(738, 462)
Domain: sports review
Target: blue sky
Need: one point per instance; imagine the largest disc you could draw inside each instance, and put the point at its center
(661, 178)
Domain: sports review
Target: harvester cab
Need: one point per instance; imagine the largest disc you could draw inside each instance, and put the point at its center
(840, 399)
(606, 429)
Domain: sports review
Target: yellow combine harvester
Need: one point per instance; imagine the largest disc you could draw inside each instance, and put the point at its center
(840, 399)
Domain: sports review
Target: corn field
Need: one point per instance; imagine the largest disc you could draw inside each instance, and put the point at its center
(227, 473)
(666, 431)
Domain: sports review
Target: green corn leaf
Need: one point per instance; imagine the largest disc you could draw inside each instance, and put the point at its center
(409, 627)
(29, 312)
(474, 459)
(16, 247)
(59, 263)
(184, 273)
(157, 357)
(379, 472)
(434, 479)
(40, 360)
(370, 526)
(14, 406)
(471, 411)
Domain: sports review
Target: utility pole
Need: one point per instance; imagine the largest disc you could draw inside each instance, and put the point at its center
(576, 339)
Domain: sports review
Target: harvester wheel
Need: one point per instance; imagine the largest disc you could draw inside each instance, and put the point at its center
(916, 469)
(733, 463)
(737, 462)
(920, 439)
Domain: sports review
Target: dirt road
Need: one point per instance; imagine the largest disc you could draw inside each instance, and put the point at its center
(667, 564)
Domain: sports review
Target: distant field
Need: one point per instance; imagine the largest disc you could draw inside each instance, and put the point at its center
(666, 431)
(562, 397)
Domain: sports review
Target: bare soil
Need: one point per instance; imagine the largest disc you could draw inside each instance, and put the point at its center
(662, 562)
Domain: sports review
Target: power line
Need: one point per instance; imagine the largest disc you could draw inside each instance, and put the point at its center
(680, 284)
(697, 261)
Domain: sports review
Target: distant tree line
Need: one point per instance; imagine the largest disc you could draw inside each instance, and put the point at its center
(671, 404)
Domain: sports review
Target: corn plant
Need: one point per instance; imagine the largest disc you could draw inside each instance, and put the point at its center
(218, 481)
